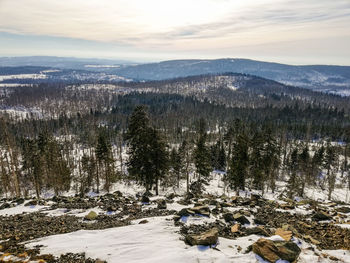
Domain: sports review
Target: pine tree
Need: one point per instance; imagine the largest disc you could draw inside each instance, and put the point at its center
(304, 159)
(148, 157)
(293, 167)
(238, 168)
(202, 155)
(104, 158)
(329, 163)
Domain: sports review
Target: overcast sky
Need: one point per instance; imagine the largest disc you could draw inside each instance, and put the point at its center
(287, 31)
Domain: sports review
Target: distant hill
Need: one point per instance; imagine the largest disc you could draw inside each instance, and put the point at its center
(62, 62)
(326, 78)
(334, 79)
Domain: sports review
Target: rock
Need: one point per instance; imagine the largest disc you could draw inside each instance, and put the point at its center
(275, 250)
(20, 201)
(170, 196)
(235, 228)
(161, 204)
(4, 206)
(176, 218)
(225, 204)
(185, 212)
(312, 240)
(241, 218)
(255, 197)
(285, 234)
(145, 199)
(91, 215)
(145, 221)
(111, 209)
(228, 217)
(256, 231)
(259, 221)
(148, 194)
(202, 210)
(320, 216)
(118, 193)
(288, 206)
(343, 209)
(205, 239)
(32, 202)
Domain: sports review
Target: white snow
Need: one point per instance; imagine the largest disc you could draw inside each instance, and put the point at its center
(156, 241)
(21, 209)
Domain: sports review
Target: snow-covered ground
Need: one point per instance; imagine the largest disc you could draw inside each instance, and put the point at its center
(158, 241)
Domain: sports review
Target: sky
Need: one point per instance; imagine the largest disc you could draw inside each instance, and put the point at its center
(286, 31)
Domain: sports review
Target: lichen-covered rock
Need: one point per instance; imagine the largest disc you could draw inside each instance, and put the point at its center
(91, 215)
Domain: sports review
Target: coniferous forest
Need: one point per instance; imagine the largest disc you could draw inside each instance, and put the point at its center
(84, 138)
(214, 158)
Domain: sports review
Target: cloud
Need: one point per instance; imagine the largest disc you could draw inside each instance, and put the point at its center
(179, 26)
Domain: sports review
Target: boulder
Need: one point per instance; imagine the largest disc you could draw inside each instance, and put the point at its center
(205, 239)
(91, 215)
(276, 250)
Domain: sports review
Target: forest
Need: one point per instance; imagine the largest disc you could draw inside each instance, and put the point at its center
(87, 137)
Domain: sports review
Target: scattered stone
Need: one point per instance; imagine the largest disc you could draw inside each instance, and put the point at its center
(275, 250)
(205, 239)
(145, 221)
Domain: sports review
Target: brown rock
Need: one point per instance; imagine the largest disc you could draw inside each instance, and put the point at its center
(205, 239)
(235, 228)
(285, 234)
(275, 250)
